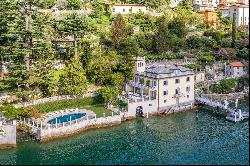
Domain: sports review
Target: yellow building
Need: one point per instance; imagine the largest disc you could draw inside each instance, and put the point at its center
(210, 17)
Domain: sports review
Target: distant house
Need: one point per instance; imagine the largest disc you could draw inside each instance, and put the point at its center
(203, 7)
(199, 77)
(237, 13)
(212, 3)
(210, 17)
(235, 69)
(121, 8)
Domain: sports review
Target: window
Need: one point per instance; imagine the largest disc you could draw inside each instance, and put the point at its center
(187, 96)
(165, 101)
(123, 10)
(187, 89)
(188, 79)
(136, 79)
(195, 78)
(234, 17)
(165, 93)
(165, 82)
(150, 104)
(139, 10)
(141, 64)
(177, 81)
(130, 10)
(113, 9)
(154, 83)
(177, 91)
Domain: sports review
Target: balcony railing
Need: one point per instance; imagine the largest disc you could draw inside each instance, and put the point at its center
(143, 86)
(178, 95)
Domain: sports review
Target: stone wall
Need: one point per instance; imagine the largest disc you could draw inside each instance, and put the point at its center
(64, 131)
(8, 134)
(231, 97)
(51, 99)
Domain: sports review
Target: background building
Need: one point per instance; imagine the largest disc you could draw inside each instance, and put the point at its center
(210, 3)
(235, 69)
(237, 13)
(120, 8)
(210, 17)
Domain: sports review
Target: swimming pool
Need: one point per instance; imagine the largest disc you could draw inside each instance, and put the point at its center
(66, 118)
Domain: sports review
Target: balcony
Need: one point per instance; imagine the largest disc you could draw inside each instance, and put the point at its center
(178, 95)
(142, 86)
(135, 98)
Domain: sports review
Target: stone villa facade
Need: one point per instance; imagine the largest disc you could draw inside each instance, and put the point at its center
(159, 88)
(235, 69)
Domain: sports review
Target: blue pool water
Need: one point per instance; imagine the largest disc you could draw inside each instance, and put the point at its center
(66, 118)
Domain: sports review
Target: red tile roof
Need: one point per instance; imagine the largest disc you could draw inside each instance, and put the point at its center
(237, 64)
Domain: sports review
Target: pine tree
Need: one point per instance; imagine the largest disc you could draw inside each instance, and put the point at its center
(73, 81)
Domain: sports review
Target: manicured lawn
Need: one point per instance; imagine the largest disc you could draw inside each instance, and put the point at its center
(86, 103)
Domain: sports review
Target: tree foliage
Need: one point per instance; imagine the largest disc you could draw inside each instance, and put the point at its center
(73, 80)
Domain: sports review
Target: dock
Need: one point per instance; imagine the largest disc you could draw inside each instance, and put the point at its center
(232, 114)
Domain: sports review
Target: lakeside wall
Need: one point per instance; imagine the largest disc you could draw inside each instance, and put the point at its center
(8, 136)
(48, 132)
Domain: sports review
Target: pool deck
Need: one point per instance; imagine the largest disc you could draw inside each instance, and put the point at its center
(43, 131)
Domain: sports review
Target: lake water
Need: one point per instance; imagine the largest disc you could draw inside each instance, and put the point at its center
(174, 139)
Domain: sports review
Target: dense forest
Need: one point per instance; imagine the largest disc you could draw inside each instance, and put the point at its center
(48, 54)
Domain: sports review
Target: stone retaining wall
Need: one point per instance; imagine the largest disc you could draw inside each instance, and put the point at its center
(8, 137)
(52, 133)
(51, 99)
(231, 97)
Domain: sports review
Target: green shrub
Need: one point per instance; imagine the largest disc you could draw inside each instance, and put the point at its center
(11, 112)
(225, 86)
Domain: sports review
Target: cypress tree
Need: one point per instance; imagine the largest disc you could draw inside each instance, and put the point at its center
(233, 44)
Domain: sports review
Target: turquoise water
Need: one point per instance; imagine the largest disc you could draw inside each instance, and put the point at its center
(175, 139)
(66, 118)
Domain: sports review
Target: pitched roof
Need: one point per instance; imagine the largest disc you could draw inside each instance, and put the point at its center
(237, 64)
(165, 69)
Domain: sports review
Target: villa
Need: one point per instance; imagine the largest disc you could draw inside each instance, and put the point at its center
(235, 69)
(122, 8)
(237, 13)
(159, 88)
